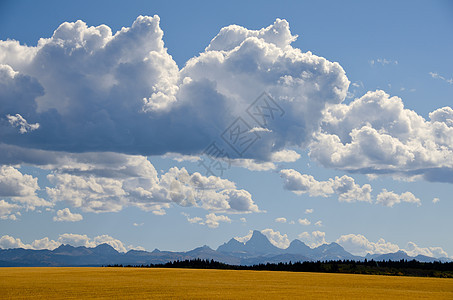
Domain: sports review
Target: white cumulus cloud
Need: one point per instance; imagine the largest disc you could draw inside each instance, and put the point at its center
(413, 250)
(9, 242)
(103, 183)
(375, 134)
(276, 238)
(76, 240)
(314, 239)
(8, 210)
(359, 245)
(20, 188)
(345, 186)
(213, 220)
(280, 220)
(65, 215)
(389, 199)
(304, 222)
(19, 121)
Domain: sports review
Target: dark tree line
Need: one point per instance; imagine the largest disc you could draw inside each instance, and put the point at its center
(396, 268)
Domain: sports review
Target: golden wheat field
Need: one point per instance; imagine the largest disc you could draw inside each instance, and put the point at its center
(131, 283)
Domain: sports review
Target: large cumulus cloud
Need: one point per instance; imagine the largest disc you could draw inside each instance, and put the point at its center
(87, 89)
(94, 182)
(375, 134)
(108, 182)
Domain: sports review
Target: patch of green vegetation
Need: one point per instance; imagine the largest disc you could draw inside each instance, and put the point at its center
(369, 267)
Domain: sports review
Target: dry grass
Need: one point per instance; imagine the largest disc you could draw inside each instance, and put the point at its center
(129, 283)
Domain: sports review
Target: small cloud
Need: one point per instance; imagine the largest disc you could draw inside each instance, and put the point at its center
(243, 220)
(345, 186)
(319, 223)
(436, 200)
(389, 199)
(212, 220)
(403, 89)
(260, 129)
(194, 220)
(65, 215)
(138, 224)
(285, 156)
(383, 62)
(309, 210)
(304, 222)
(292, 222)
(280, 220)
(159, 212)
(437, 76)
(138, 248)
(252, 164)
(19, 121)
(181, 157)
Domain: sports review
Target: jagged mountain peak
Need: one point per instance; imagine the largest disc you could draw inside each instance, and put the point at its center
(297, 242)
(255, 235)
(298, 247)
(331, 246)
(232, 245)
(260, 244)
(235, 241)
(104, 249)
(64, 247)
(258, 237)
(203, 248)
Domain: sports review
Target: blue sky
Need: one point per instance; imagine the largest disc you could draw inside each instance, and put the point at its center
(364, 144)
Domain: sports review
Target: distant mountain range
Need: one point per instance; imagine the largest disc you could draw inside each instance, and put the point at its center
(255, 251)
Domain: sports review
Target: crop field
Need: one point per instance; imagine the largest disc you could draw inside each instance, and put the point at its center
(135, 283)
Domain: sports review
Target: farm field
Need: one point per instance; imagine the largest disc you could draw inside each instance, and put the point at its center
(134, 283)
